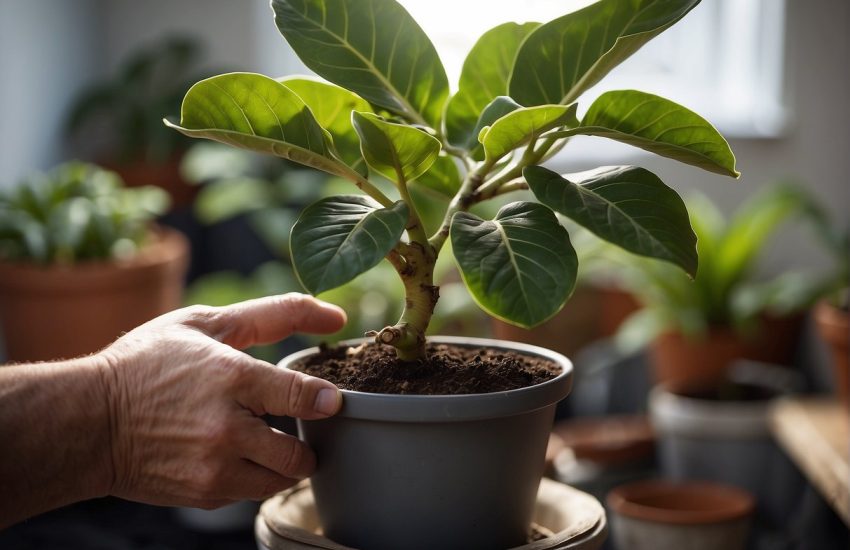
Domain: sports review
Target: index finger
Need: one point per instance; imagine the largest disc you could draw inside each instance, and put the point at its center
(267, 320)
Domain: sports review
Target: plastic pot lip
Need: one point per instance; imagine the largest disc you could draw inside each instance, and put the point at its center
(681, 503)
(454, 408)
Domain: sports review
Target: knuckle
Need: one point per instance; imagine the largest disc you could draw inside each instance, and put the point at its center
(297, 396)
(291, 458)
(208, 481)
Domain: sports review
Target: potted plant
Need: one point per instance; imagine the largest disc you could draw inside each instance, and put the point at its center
(395, 465)
(715, 343)
(80, 262)
(696, 328)
(117, 121)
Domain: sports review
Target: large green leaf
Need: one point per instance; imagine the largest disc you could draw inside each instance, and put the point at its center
(371, 47)
(338, 238)
(332, 107)
(443, 177)
(519, 267)
(483, 78)
(561, 59)
(660, 126)
(399, 152)
(257, 113)
(523, 125)
(626, 205)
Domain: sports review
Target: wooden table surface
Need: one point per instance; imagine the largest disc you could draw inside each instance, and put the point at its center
(816, 435)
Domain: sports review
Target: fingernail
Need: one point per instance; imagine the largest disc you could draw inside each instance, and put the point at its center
(328, 401)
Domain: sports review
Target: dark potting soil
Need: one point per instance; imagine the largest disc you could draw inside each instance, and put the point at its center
(446, 370)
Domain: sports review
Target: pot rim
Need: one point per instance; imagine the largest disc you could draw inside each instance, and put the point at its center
(454, 408)
(714, 502)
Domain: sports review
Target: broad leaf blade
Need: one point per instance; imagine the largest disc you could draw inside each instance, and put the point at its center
(397, 151)
(254, 112)
(494, 110)
(484, 77)
(563, 58)
(338, 238)
(659, 126)
(371, 47)
(523, 125)
(520, 267)
(443, 177)
(625, 205)
(332, 107)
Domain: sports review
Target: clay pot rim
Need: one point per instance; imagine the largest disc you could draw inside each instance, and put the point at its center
(162, 245)
(390, 407)
(727, 503)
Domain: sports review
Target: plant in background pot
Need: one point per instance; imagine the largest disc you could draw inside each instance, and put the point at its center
(118, 121)
(715, 344)
(697, 328)
(80, 262)
(452, 432)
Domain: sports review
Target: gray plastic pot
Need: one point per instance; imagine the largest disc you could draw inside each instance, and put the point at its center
(424, 472)
(728, 442)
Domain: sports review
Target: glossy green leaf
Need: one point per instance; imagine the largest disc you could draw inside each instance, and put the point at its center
(258, 113)
(519, 267)
(625, 205)
(397, 151)
(371, 47)
(443, 177)
(660, 126)
(561, 59)
(523, 125)
(483, 78)
(332, 107)
(495, 110)
(338, 238)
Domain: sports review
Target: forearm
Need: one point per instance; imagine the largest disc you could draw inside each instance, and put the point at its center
(54, 436)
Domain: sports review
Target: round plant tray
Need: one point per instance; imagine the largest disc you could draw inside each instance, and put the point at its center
(566, 517)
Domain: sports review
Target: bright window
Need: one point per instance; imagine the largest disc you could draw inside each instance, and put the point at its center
(724, 60)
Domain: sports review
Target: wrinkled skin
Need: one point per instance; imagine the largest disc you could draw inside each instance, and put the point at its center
(168, 414)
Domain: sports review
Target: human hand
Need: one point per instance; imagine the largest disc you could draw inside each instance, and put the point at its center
(185, 404)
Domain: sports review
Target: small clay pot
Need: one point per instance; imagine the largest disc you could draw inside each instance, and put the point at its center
(54, 312)
(834, 327)
(653, 514)
(165, 175)
(693, 365)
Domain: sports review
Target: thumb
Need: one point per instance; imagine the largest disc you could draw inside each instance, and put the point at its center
(267, 320)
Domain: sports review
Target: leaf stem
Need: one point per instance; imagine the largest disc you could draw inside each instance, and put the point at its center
(461, 201)
(366, 186)
(415, 230)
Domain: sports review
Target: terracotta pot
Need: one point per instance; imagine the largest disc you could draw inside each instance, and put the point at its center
(165, 175)
(64, 311)
(693, 365)
(834, 327)
(654, 514)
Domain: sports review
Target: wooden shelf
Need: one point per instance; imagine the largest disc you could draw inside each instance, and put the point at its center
(815, 433)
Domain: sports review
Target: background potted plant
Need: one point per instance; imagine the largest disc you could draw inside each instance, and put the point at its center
(395, 465)
(80, 262)
(118, 122)
(714, 344)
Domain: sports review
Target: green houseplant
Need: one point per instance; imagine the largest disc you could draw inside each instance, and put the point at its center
(727, 312)
(388, 114)
(80, 262)
(117, 122)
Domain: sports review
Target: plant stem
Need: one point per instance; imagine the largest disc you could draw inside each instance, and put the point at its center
(461, 201)
(414, 227)
(417, 273)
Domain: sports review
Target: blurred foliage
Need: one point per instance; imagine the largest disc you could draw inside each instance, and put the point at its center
(271, 194)
(726, 290)
(129, 107)
(75, 212)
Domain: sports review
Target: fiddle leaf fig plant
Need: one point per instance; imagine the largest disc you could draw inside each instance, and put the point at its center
(384, 111)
